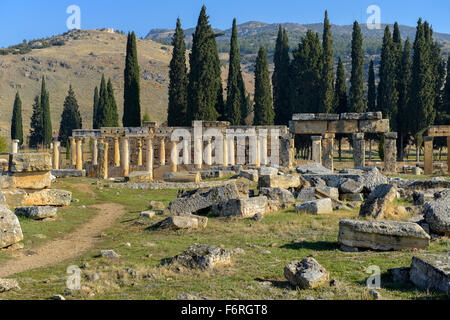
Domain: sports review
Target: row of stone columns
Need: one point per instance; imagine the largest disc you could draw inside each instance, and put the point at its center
(323, 147)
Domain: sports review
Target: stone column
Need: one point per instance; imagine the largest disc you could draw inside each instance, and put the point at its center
(94, 151)
(327, 150)
(264, 150)
(186, 151)
(448, 153)
(56, 145)
(428, 146)
(231, 151)
(359, 150)
(150, 157)
(208, 159)
(116, 152)
(316, 149)
(258, 151)
(103, 160)
(73, 151)
(198, 153)
(15, 146)
(162, 152)
(125, 157)
(174, 157)
(139, 145)
(390, 151)
(79, 153)
(225, 152)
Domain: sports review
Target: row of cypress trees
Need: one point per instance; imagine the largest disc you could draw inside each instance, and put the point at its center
(105, 107)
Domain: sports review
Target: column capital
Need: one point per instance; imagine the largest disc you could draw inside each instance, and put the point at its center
(391, 135)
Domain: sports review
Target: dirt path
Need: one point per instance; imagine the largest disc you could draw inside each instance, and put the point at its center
(72, 246)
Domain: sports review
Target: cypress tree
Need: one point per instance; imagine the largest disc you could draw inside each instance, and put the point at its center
(264, 113)
(340, 99)
(112, 106)
(95, 109)
(16, 121)
(132, 91)
(387, 99)
(403, 115)
(70, 118)
(178, 80)
(422, 90)
(47, 131)
(236, 105)
(102, 103)
(446, 97)
(327, 76)
(205, 92)
(36, 125)
(372, 91)
(356, 98)
(280, 79)
(306, 68)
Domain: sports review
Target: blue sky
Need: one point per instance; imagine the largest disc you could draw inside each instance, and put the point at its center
(31, 19)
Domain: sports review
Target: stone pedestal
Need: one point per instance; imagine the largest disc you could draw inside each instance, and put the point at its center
(428, 158)
(103, 160)
(359, 150)
(125, 157)
(94, 151)
(327, 150)
(79, 154)
(55, 160)
(73, 151)
(390, 151)
(149, 164)
(174, 157)
(139, 146)
(116, 152)
(162, 152)
(316, 149)
(15, 146)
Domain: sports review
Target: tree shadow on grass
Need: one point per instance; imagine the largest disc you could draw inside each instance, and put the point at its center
(316, 246)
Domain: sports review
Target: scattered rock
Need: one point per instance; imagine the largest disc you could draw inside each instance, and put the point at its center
(37, 213)
(281, 195)
(437, 215)
(375, 294)
(382, 235)
(111, 254)
(147, 214)
(58, 297)
(400, 275)
(313, 168)
(251, 175)
(284, 182)
(306, 274)
(379, 204)
(351, 187)
(315, 207)
(8, 285)
(10, 229)
(204, 257)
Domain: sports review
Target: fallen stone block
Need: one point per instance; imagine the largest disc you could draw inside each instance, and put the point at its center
(351, 186)
(183, 223)
(313, 168)
(31, 180)
(379, 204)
(203, 257)
(278, 194)
(68, 173)
(147, 214)
(29, 198)
(37, 213)
(245, 208)
(137, 176)
(422, 197)
(268, 171)
(352, 197)
(190, 202)
(431, 272)
(251, 175)
(10, 229)
(400, 275)
(283, 182)
(182, 177)
(437, 215)
(319, 206)
(382, 235)
(30, 162)
(306, 274)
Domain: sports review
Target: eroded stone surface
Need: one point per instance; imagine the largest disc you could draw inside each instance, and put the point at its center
(379, 203)
(10, 229)
(283, 181)
(437, 215)
(8, 285)
(315, 207)
(431, 272)
(183, 223)
(37, 213)
(306, 274)
(281, 195)
(47, 197)
(30, 162)
(245, 208)
(205, 257)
